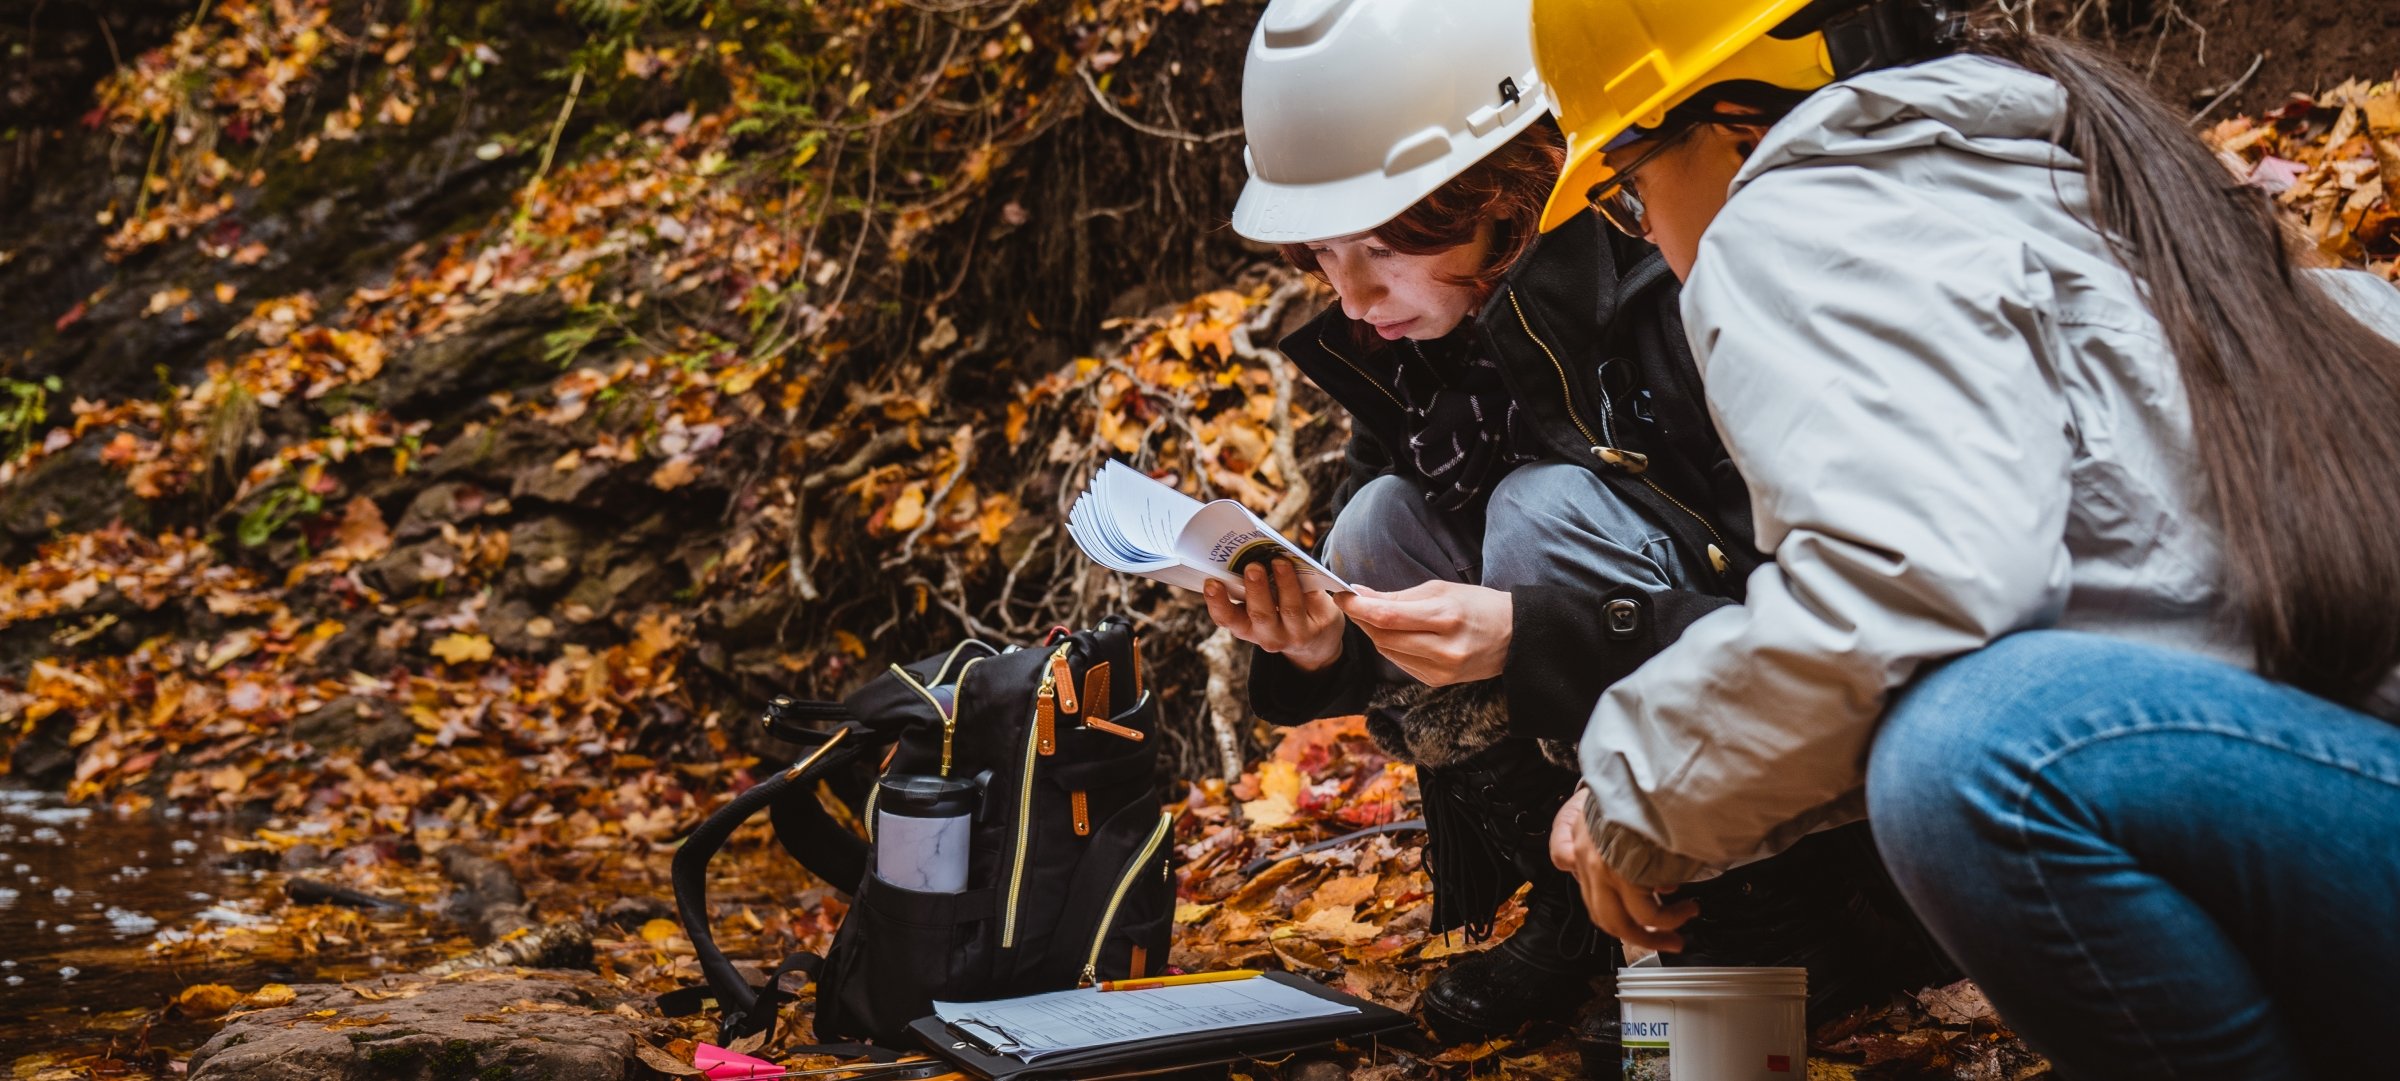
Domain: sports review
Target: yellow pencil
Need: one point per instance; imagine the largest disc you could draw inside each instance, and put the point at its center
(1178, 981)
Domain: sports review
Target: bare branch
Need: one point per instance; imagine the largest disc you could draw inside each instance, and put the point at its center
(1109, 106)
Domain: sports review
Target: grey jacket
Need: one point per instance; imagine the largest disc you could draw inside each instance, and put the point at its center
(1957, 419)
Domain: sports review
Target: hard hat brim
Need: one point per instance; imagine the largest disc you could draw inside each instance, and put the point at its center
(1273, 213)
(1586, 168)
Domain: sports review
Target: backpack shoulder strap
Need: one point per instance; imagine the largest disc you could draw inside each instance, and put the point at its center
(746, 1009)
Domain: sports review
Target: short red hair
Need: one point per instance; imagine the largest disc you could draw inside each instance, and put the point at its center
(1507, 188)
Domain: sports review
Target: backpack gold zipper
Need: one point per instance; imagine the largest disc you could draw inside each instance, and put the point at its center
(1631, 462)
(1108, 916)
(1033, 736)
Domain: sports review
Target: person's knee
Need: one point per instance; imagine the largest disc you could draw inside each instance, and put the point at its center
(1386, 537)
(1546, 491)
(1381, 511)
(1555, 521)
(1384, 503)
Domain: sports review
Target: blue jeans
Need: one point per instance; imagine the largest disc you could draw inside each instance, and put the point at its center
(2155, 864)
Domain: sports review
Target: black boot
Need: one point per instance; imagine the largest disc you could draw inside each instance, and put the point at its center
(1506, 797)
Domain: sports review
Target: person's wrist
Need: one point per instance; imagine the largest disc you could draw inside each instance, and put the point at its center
(1315, 658)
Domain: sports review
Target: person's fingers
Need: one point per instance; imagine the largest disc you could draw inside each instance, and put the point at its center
(1257, 592)
(1223, 611)
(1365, 609)
(1399, 612)
(1656, 926)
(1320, 607)
(1642, 904)
(1607, 909)
(1291, 605)
(1567, 831)
(1422, 591)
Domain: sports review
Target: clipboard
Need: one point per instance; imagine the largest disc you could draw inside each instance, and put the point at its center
(1143, 1057)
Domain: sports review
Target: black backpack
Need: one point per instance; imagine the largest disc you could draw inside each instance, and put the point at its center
(1070, 875)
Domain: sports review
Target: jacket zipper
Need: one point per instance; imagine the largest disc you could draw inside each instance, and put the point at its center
(1033, 739)
(1108, 916)
(1566, 390)
(1716, 554)
(1362, 374)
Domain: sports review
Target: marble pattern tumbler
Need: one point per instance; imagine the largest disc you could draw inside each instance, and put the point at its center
(921, 829)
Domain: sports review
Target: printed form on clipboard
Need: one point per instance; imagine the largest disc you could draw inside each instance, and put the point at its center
(1036, 1027)
(1127, 522)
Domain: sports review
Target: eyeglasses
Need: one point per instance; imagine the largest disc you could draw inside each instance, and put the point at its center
(1619, 202)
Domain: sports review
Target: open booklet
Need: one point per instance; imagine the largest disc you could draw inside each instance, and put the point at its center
(1127, 522)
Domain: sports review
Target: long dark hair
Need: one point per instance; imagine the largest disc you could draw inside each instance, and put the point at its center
(2295, 402)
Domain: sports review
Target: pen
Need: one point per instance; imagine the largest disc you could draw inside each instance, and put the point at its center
(1178, 981)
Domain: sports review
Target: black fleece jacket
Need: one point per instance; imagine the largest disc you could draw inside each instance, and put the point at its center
(1587, 334)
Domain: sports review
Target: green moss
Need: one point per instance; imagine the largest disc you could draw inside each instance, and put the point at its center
(456, 1061)
(392, 1059)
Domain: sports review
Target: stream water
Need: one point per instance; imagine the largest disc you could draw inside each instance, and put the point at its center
(84, 895)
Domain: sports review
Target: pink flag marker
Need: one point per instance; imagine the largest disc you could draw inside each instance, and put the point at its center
(723, 1065)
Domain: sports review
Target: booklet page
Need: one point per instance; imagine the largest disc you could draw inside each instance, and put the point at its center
(1224, 538)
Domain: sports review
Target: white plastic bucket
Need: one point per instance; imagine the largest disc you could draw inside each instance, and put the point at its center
(1714, 1024)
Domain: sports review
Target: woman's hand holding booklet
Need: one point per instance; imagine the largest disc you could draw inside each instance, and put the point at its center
(1126, 521)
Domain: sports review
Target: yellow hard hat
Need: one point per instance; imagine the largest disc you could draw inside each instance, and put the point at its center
(1616, 65)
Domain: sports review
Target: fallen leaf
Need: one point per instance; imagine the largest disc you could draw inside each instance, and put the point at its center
(658, 1059)
(1338, 926)
(207, 999)
(461, 648)
(674, 473)
(362, 535)
(1961, 1003)
(908, 512)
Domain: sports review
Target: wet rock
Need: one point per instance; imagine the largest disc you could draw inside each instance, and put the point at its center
(498, 453)
(513, 628)
(448, 502)
(373, 727)
(356, 648)
(69, 492)
(487, 894)
(43, 757)
(575, 484)
(410, 568)
(444, 378)
(300, 857)
(545, 551)
(472, 1026)
(631, 912)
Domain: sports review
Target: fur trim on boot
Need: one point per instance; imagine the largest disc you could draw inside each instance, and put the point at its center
(1438, 726)
(1562, 753)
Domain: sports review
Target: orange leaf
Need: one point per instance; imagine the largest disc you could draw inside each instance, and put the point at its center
(207, 999)
(909, 512)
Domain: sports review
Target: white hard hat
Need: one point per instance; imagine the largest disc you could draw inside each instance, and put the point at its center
(1356, 109)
